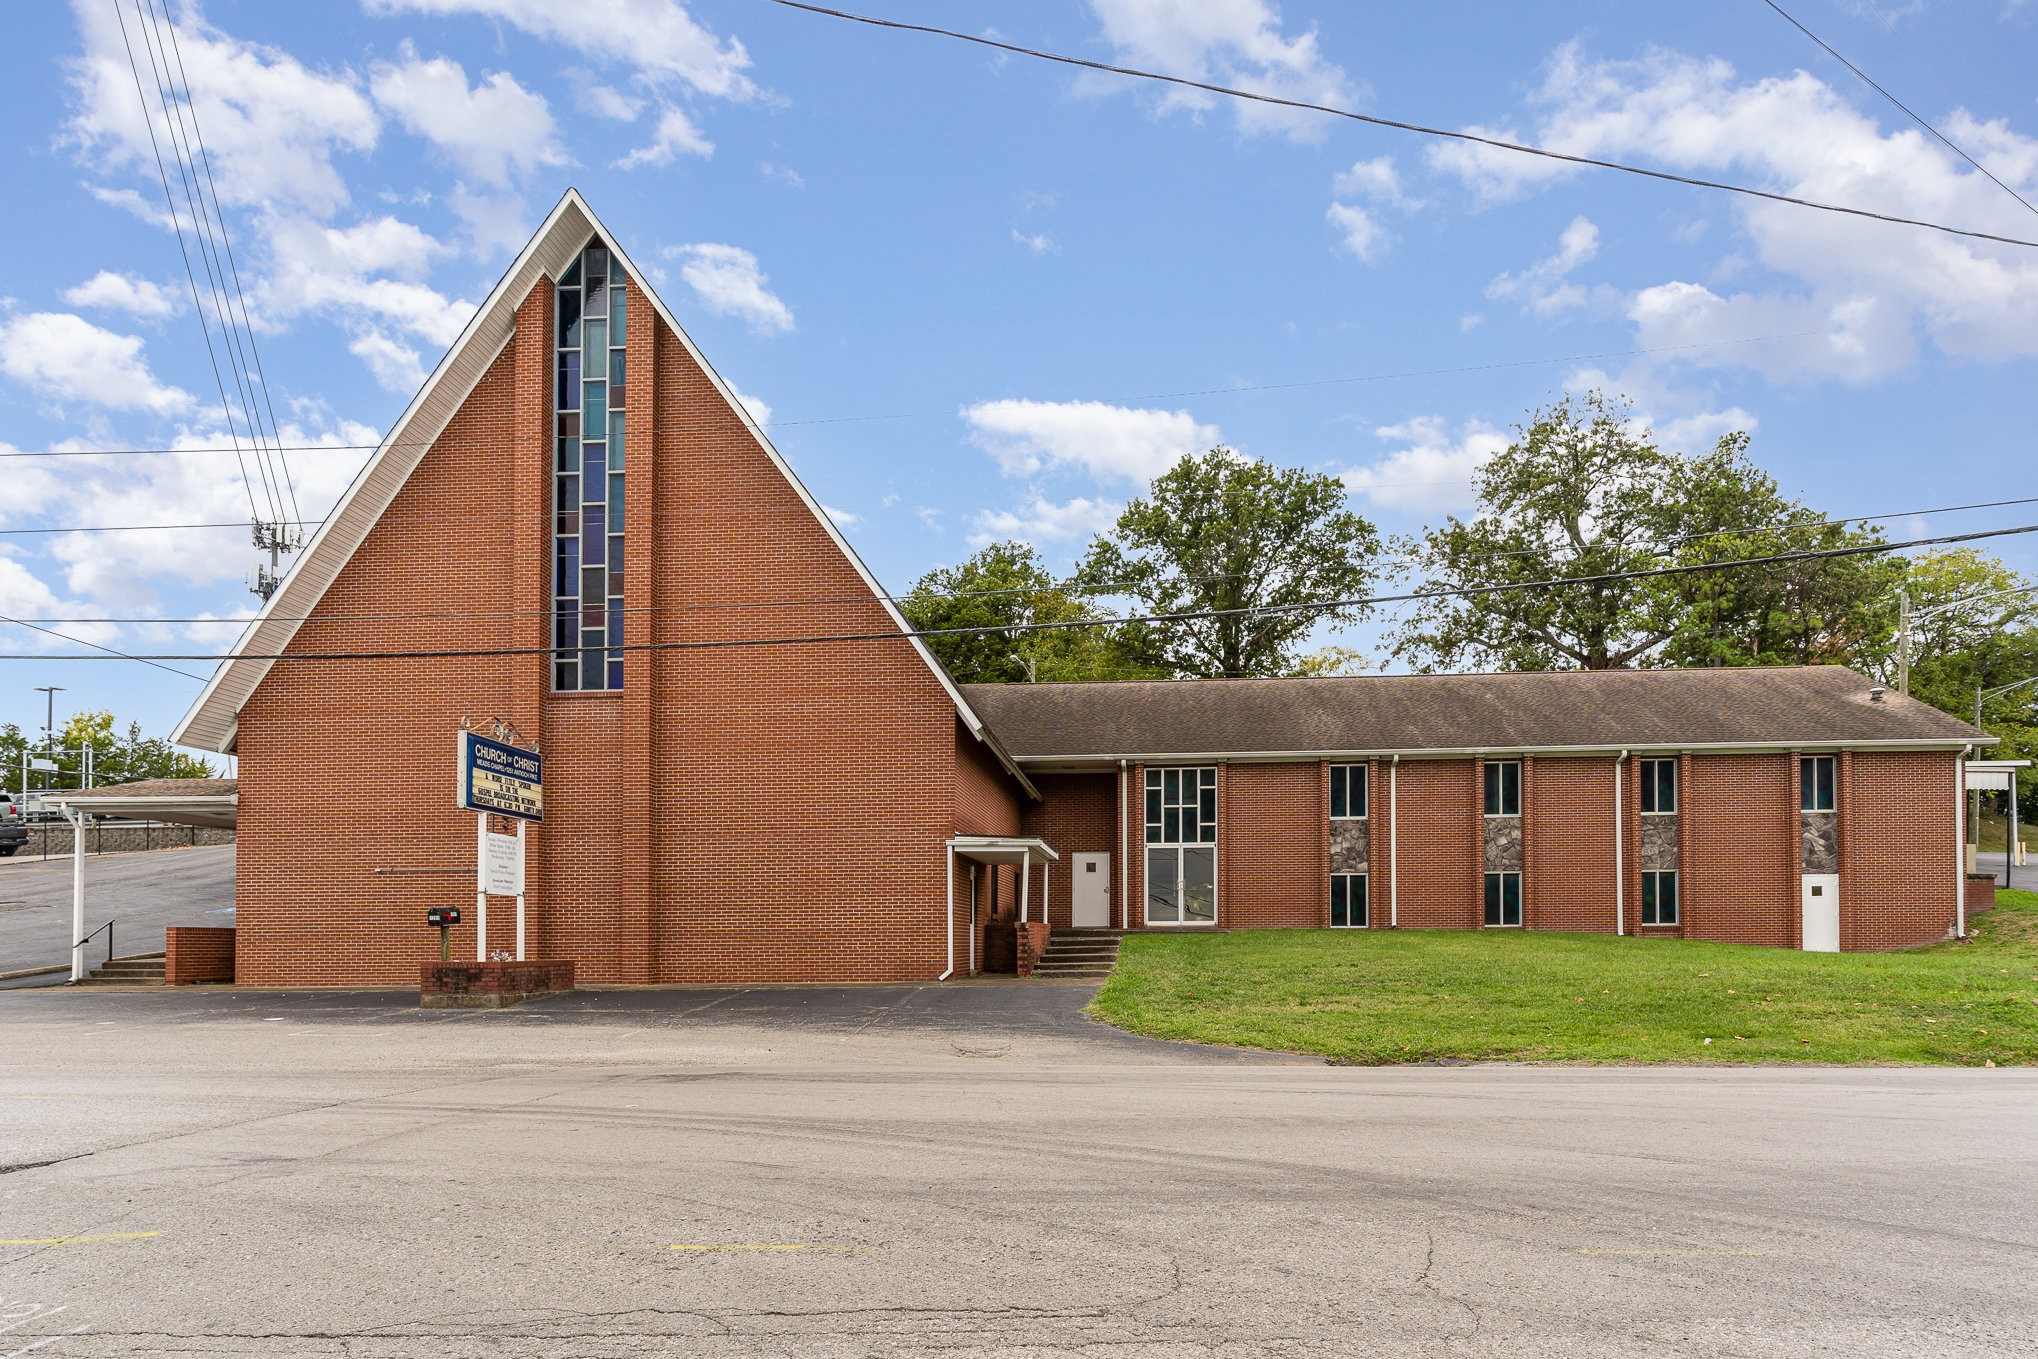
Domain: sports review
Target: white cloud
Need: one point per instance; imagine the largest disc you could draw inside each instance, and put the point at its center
(1042, 520)
(123, 292)
(1040, 243)
(1115, 443)
(1359, 232)
(396, 366)
(1867, 290)
(843, 518)
(728, 282)
(68, 359)
(782, 174)
(1376, 180)
(493, 132)
(123, 571)
(1434, 468)
(367, 276)
(658, 39)
(1542, 287)
(602, 100)
(675, 135)
(1228, 42)
(759, 409)
(272, 125)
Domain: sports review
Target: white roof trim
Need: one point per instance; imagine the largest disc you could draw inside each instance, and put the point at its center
(213, 721)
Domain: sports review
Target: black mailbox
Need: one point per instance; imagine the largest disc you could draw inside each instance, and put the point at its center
(440, 917)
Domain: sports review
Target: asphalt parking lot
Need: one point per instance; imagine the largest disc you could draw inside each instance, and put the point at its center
(972, 1170)
(141, 893)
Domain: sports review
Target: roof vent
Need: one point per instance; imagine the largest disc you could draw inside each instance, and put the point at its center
(1875, 693)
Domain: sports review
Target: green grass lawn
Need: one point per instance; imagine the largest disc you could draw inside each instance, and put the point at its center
(1371, 997)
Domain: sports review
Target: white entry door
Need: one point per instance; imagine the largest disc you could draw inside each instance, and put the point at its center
(1091, 901)
(1821, 912)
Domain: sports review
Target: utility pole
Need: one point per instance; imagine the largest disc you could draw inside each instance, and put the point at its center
(49, 731)
(1903, 644)
(275, 538)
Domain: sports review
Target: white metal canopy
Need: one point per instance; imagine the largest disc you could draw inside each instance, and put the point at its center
(213, 803)
(1013, 851)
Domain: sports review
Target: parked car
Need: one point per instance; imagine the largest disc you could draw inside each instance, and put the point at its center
(13, 833)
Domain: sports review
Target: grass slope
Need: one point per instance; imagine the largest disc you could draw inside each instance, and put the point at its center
(1406, 996)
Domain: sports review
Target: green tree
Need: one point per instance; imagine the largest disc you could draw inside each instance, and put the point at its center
(1578, 493)
(1007, 586)
(118, 757)
(1269, 548)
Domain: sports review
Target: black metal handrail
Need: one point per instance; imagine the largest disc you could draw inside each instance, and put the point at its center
(108, 929)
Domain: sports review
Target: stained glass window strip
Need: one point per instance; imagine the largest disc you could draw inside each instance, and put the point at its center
(587, 483)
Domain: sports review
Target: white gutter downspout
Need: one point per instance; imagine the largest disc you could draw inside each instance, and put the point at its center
(1620, 874)
(1124, 861)
(951, 916)
(1393, 844)
(1960, 843)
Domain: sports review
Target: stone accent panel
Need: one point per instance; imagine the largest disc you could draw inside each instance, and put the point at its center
(1659, 843)
(1351, 844)
(1503, 844)
(1819, 832)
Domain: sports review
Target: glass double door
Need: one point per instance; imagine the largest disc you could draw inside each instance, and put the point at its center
(1181, 885)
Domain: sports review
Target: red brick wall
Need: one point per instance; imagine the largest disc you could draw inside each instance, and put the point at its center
(987, 799)
(1741, 858)
(1441, 843)
(1077, 816)
(1568, 844)
(1899, 865)
(736, 814)
(197, 954)
(1271, 828)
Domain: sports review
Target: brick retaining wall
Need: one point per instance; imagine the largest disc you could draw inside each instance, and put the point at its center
(52, 839)
(195, 953)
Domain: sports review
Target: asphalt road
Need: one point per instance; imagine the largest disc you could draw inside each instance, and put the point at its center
(964, 1170)
(2023, 877)
(141, 893)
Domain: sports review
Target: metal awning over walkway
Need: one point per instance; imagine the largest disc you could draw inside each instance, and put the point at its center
(213, 803)
(1015, 851)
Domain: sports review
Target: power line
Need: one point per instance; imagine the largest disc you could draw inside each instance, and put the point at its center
(1098, 587)
(1870, 82)
(190, 275)
(261, 376)
(144, 528)
(111, 652)
(1195, 616)
(1400, 126)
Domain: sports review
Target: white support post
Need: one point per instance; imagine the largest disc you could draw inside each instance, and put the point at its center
(1046, 891)
(972, 919)
(1393, 844)
(1025, 885)
(1960, 840)
(481, 888)
(951, 916)
(77, 820)
(525, 867)
(1620, 830)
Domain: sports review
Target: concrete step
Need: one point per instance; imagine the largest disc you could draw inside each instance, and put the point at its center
(136, 969)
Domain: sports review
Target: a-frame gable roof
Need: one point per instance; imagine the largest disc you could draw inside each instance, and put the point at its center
(213, 721)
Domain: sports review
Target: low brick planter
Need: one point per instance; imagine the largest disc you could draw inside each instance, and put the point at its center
(197, 954)
(1981, 893)
(490, 986)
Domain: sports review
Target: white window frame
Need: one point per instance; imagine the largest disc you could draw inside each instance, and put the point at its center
(1832, 762)
(1676, 898)
(1501, 791)
(1503, 874)
(1363, 878)
(1649, 783)
(1365, 791)
(1153, 830)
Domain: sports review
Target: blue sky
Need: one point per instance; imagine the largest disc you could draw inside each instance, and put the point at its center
(982, 296)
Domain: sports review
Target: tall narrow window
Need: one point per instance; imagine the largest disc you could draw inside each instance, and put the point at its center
(587, 482)
(1347, 792)
(1181, 846)
(1503, 788)
(1659, 787)
(1816, 783)
(1348, 901)
(1659, 897)
(1503, 899)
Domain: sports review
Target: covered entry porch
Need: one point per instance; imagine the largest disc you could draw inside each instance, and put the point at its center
(1012, 940)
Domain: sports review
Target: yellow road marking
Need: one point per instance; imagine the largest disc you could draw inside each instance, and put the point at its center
(715, 1248)
(77, 1240)
(1680, 1253)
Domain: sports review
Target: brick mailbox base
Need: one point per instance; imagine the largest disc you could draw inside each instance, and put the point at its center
(490, 985)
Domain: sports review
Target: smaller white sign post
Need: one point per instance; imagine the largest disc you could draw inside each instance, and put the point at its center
(502, 872)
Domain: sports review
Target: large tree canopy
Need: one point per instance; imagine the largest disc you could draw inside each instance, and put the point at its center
(1227, 534)
(1582, 493)
(1007, 586)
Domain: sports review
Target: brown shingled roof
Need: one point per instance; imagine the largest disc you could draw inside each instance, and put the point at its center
(163, 788)
(1810, 705)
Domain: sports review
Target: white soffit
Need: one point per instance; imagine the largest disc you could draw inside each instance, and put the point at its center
(213, 721)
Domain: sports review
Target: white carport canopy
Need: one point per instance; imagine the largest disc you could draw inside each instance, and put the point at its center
(213, 803)
(1021, 852)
